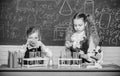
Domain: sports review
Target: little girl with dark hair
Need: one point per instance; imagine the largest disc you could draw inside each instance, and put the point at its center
(82, 37)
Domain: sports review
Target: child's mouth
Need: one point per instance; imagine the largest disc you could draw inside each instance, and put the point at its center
(32, 44)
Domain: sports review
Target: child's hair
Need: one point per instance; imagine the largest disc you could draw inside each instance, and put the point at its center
(80, 15)
(85, 19)
(32, 30)
(90, 28)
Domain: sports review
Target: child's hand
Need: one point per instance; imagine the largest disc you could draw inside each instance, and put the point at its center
(22, 50)
(81, 52)
(68, 44)
(84, 56)
(76, 44)
(31, 44)
(46, 51)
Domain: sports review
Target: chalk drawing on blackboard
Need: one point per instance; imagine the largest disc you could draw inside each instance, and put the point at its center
(49, 16)
(113, 41)
(118, 26)
(38, 17)
(97, 11)
(97, 16)
(19, 17)
(44, 6)
(107, 32)
(114, 37)
(2, 28)
(60, 30)
(58, 2)
(59, 33)
(78, 5)
(39, 9)
(117, 16)
(46, 24)
(47, 4)
(105, 20)
(65, 9)
(31, 20)
(113, 11)
(13, 32)
(50, 7)
(77, 2)
(17, 5)
(89, 7)
(25, 5)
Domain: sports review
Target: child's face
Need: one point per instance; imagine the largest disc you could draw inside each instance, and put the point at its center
(33, 38)
(79, 25)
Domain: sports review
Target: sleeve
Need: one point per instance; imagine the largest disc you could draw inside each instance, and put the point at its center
(69, 33)
(45, 50)
(23, 50)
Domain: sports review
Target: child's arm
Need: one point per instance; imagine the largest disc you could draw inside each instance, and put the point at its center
(23, 50)
(45, 50)
(68, 44)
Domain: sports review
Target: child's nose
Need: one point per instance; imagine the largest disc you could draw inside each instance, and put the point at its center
(77, 26)
(31, 40)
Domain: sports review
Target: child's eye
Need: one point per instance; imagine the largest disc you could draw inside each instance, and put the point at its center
(75, 25)
(36, 37)
(80, 25)
(30, 38)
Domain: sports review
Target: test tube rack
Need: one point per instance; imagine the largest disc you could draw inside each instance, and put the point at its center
(35, 62)
(69, 61)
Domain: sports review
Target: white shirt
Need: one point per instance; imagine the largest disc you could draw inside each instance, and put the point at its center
(77, 37)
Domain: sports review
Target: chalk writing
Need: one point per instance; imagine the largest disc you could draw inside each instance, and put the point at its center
(60, 30)
(79, 5)
(65, 9)
(105, 19)
(54, 17)
(117, 16)
(31, 19)
(59, 34)
(2, 26)
(58, 2)
(89, 7)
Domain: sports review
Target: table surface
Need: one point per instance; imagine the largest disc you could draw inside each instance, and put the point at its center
(106, 68)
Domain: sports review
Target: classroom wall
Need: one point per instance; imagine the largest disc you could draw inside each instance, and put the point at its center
(111, 54)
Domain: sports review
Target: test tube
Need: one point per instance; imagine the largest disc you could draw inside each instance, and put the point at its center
(15, 59)
(68, 55)
(31, 54)
(10, 59)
